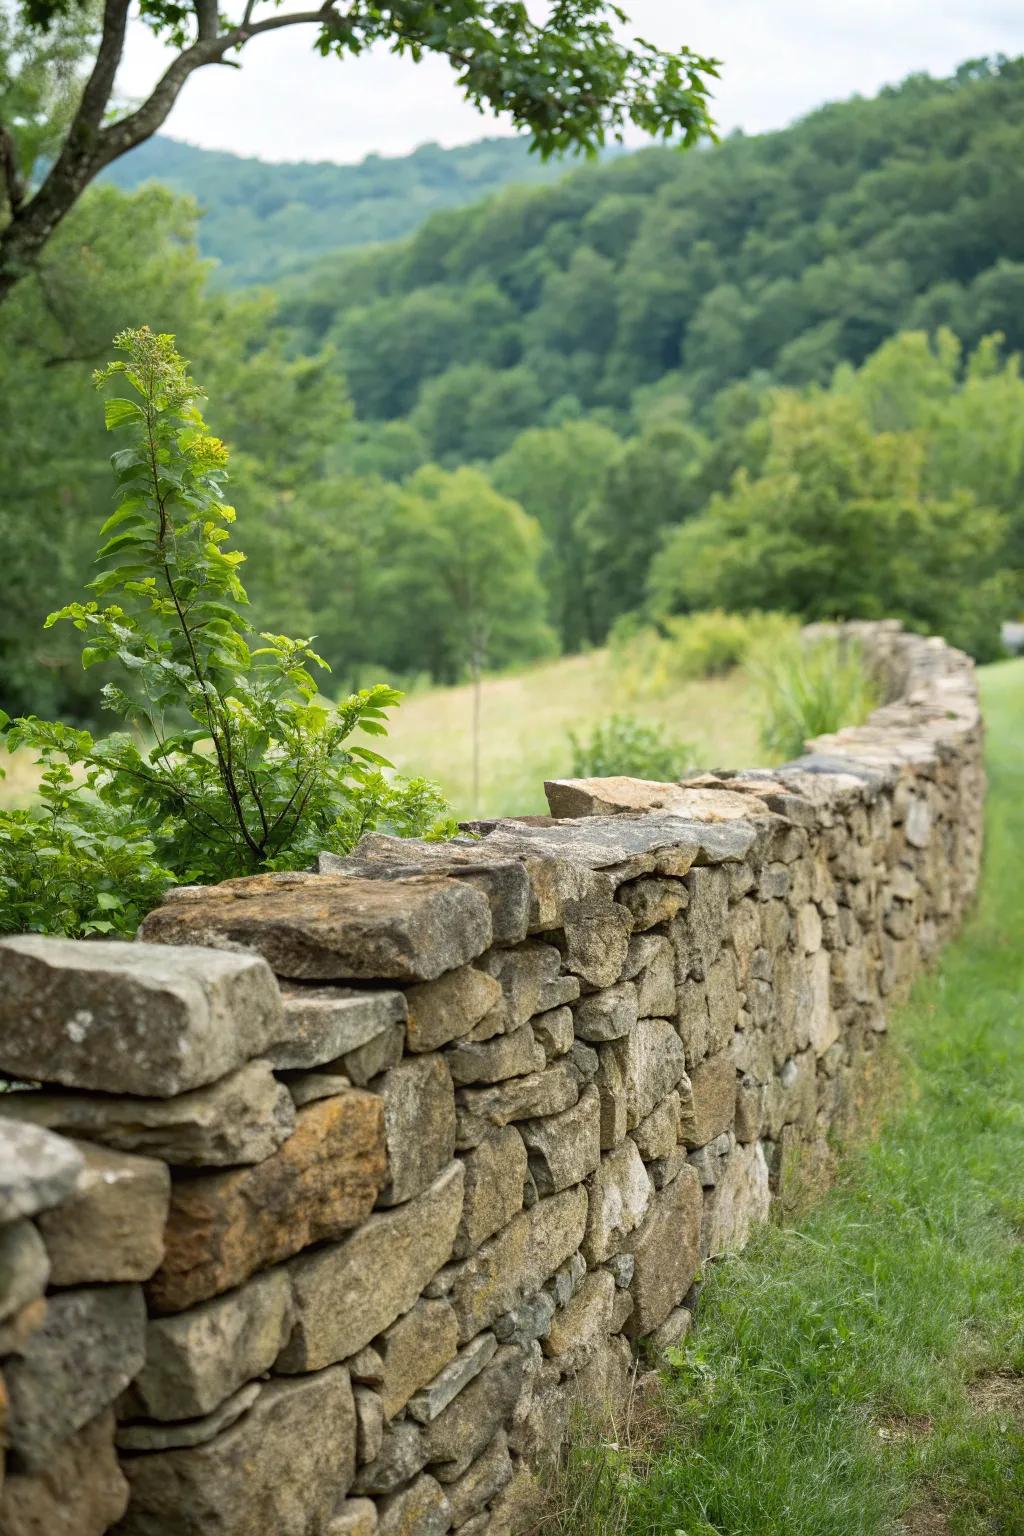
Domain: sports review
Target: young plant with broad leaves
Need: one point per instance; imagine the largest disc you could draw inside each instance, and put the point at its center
(231, 761)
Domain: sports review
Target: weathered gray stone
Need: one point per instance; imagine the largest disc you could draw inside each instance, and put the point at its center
(90, 1345)
(37, 1169)
(666, 1247)
(335, 928)
(131, 1018)
(450, 1007)
(553, 1031)
(610, 1081)
(419, 1123)
(558, 991)
(281, 1467)
(506, 1055)
(223, 1227)
(723, 1002)
(671, 1332)
(196, 1359)
(402, 1455)
(524, 974)
(421, 1510)
(579, 1327)
(495, 1171)
(621, 1267)
(79, 1491)
(458, 1435)
(620, 1193)
(413, 1350)
(607, 1015)
(710, 1107)
(656, 982)
(323, 1023)
(486, 1477)
(310, 1087)
(478, 1110)
(808, 928)
(242, 1118)
(698, 936)
(24, 1267)
(658, 1132)
(435, 1396)
(353, 1517)
(710, 1161)
(653, 1063)
(693, 1021)
(369, 1424)
(112, 1228)
(564, 1148)
(168, 1437)
(347, 1293)
(596, 943)
(379, 1054)
(740, 1201)
(530, 1320)
(515, 1262)
(664, 1169)
(652, 899)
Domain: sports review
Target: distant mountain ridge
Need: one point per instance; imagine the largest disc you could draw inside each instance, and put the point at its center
(265, 220)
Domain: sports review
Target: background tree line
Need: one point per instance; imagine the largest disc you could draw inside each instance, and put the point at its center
(661, 383)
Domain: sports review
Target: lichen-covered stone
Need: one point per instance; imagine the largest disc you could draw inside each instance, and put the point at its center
(196, 1359)
(596, 943)
(347, 1293)
(553, 1031)
(524, 974)
(620, 1194)
(653, 1063)
(79, 1490)
(478, 1110)
(323, 1023)
(710, 1107)
(458, 1435)
(652, 899)
(607, 1015)
(579, 1327)
(37, 1169)
(419, 1124)
(450, 1007)
(413, 1350)
(480, 1482)
(335, 928)
(112, 1227)
(518, 1259)
(172, 1436)
(656, 982)
(564, 1148)
(242, 1118)
(353, 1517)
(131, 1018)
(445, 1387)
(90, 1345)
(666, 1248)
(657, 1134)
(506, 1055)
(24, 1267)
(282, 1467)
(223, 1227)
(419, 1510)
(739, 1202)
(368, 1061)
(495, 1171)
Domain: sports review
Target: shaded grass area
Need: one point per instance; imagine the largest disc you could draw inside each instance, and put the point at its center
(840, 1381)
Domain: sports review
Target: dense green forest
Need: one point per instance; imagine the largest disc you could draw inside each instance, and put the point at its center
(260, 221)
(776, 373)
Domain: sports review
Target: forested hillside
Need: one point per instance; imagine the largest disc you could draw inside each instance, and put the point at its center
(262, 220)
(777, 374)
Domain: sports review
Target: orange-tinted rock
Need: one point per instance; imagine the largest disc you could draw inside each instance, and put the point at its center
(80, 1491)
(324, 1179)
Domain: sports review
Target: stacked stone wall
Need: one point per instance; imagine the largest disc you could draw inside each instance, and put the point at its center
(324, 1203)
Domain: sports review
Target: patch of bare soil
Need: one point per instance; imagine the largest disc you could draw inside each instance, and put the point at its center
(998, 1392)
(926, 1519)
(900, 1427)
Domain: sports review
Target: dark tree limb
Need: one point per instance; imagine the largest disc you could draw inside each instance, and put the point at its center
(13, 184)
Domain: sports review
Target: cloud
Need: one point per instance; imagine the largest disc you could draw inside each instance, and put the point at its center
(780, 59)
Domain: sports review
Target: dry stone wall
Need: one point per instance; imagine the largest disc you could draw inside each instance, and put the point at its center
(323, 1204)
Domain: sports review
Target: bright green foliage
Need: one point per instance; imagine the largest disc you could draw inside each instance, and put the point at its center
(810, 688)
(232, 760)
(624, 745)
(826, 1388)
(652, 661)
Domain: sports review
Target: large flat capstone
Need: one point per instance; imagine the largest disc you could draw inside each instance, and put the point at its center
(335, 927)
(131, 1018)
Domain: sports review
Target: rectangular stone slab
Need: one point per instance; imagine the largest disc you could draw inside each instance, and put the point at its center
(222, 1227)
(335, 927)
(131, 1018)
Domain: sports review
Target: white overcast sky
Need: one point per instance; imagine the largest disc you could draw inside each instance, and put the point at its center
(779, 59)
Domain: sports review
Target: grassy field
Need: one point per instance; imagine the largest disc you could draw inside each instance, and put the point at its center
(862, 1373)
(526, 719)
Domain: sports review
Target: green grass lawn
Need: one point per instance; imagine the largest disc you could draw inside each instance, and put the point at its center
(862, 1372)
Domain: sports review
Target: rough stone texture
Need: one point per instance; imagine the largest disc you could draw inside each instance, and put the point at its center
(740, 1201)
(657, 1134)
(711, 1106)
(520, 1098)
(24, 1268)
(607, 1015)
(168, 1437)
(90, 1345)
(457, 1436)
(323, 1023)
(486, 1477)
(450, 1007)
(131, 1018)
(112, 1227)
(419, 1125)
(651, 900)
(653, 1063)
(37, 1170)
(518, 1259)
(495, 1171)
(353, 1517)
(414, 1350)
(281, 1467)
(196, 1359)
(506, 1055)
(243, 1118)
(79, 1491)
(579, 1327)
(448, 1383)
(346, 1294)
(666, 1248)
(419, 1510)
(222, 1227)
(564, 1148)
(334, 928)
(620, 1193)
(524, 974)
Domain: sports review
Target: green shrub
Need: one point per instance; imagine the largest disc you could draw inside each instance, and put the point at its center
(712, 643)
(627, 746)
(232, 761)
(809, 688)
